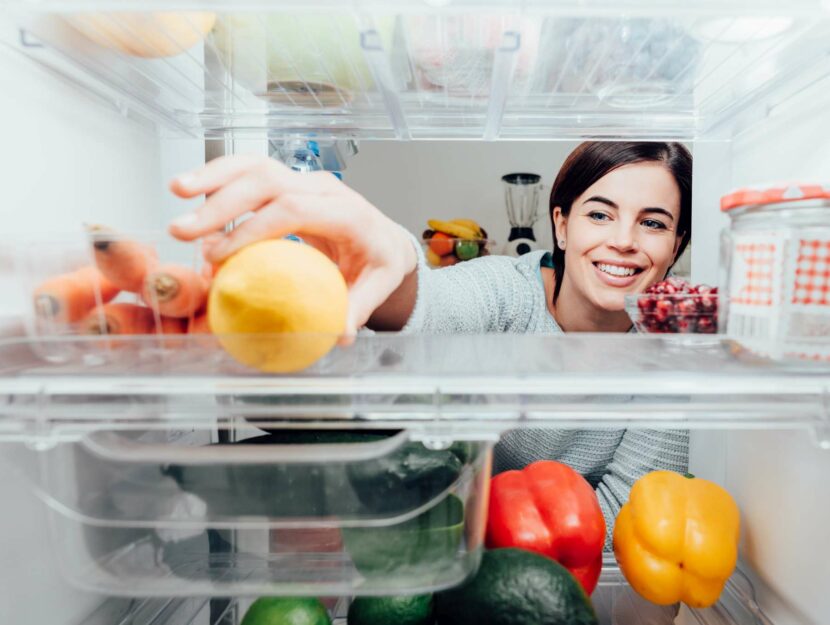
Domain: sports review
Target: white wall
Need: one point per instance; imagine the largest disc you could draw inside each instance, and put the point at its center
(416, 181)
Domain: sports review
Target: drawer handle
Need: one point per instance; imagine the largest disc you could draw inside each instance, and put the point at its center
(111, 446)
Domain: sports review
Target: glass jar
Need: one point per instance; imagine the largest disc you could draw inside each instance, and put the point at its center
(776, 255)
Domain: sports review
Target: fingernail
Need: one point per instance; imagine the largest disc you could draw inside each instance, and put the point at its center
(188, 220)
(185, 180)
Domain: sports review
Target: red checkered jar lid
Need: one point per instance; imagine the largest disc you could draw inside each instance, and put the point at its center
(779, 194)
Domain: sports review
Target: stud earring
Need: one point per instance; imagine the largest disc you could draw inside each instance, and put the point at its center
(562, 243)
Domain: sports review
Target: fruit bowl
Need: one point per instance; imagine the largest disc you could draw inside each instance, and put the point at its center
(674, 307)
(445, 252)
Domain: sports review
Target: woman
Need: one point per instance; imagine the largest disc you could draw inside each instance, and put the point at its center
(621, 216)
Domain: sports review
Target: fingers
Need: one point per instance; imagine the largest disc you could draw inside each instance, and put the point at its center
(368, 292)
(320, 217)
(215, 174)
(247, 193)
(247, 185)
(268, 224)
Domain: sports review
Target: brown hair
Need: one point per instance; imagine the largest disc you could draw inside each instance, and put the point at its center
(591, 160)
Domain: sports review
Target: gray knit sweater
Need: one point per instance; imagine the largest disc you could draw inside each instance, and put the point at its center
(503, 294)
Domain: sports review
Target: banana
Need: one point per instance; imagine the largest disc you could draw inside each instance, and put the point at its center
(453, 229)
(468, 223)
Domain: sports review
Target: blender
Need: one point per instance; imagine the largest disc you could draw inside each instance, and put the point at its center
(521, 195)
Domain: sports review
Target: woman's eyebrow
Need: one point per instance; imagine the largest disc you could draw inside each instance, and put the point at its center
(661, 211)
(601, 200)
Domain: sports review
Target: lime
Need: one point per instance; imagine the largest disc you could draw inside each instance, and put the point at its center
(286, 611)
(466, 250)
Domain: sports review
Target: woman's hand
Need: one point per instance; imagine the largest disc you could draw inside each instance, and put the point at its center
(374, 254)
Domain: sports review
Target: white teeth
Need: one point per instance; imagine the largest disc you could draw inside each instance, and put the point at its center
(614, 270)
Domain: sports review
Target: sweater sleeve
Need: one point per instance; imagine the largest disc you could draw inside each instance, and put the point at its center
(481, 295)
(639, 452)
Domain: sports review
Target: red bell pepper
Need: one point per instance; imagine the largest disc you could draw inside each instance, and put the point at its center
(550, 509)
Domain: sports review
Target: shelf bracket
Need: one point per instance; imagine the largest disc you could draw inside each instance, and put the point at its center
(504, 66)
(821, 431)
(378, 62)
(27, 41)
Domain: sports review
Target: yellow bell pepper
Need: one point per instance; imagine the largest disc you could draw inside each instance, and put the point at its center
(677, 539)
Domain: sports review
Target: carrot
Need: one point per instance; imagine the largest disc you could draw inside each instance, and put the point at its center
(175, 291)
(199, 325)
(68, 298)
(120, 318)
(125, 263)
(171, 325)
(208, 270)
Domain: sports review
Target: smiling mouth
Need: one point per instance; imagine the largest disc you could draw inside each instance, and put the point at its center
(617, 271)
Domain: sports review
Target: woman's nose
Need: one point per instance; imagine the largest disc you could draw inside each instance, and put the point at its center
(624, 239)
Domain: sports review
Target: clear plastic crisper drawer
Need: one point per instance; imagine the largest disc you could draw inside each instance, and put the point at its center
(409, 70)
(614, 601)
(290, 512)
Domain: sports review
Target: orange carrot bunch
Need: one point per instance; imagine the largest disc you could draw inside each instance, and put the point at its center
(69, 297)
(123, 262)
(120, 318)
(175, 291)
(175, 296)
(199, 325)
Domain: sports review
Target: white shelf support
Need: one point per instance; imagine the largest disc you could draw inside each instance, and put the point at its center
(822, 430)
(504, 65)
(378, 62)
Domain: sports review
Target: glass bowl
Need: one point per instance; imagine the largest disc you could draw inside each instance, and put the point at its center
(673, 313)
(450, 251)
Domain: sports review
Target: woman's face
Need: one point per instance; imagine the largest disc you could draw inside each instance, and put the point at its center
(621, 234)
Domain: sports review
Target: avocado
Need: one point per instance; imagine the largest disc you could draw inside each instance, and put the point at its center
(397, 610)
(516, 587)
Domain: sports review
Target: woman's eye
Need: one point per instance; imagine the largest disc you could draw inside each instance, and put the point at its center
(598, 216)
(653, 224)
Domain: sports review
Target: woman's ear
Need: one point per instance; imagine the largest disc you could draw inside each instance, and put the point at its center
(560, 225)
(677, 241)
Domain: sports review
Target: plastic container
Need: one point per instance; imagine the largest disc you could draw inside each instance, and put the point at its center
(682, 313)
(454, 55)
(776, 255)
(453, 250)
(149, 300)
(298, 59)
(167, 512)
(626, 63)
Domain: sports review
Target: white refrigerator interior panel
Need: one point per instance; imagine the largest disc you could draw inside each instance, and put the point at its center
(65, 160)
(780, 479)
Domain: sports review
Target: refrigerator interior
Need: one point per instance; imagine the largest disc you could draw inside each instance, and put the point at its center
(95, 134)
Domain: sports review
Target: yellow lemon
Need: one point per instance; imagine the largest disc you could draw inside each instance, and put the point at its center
(278, 306)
